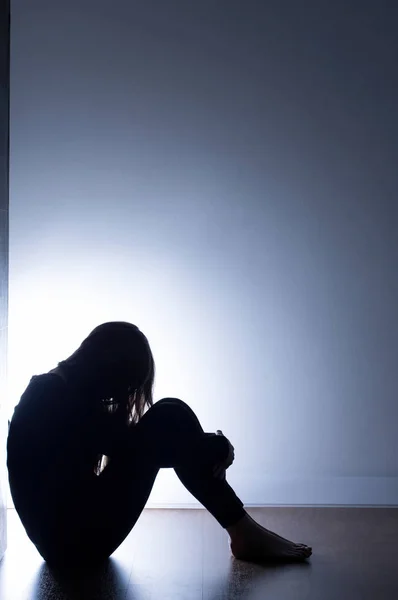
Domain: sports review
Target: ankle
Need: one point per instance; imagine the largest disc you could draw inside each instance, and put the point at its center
(235, 531)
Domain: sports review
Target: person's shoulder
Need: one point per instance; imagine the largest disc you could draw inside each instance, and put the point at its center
(41, 388)
(44, 381)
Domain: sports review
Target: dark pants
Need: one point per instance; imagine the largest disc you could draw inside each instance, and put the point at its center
(168, 435)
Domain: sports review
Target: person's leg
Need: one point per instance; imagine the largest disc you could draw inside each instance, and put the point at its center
(170, 435)
(176, 427)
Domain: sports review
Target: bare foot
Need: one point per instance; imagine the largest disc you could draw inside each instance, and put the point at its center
(275, 534)
(251, 542)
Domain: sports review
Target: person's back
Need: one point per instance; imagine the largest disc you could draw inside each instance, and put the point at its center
(51, 445)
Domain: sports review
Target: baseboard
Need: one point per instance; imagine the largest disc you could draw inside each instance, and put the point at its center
(192, 506)
(168, 491)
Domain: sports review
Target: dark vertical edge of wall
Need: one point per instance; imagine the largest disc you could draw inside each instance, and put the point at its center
(4, 251)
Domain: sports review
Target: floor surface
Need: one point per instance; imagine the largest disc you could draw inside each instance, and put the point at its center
(184, 555)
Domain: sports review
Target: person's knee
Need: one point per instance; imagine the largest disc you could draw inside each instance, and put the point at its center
(174, 403)
(174, 408)
(171, 401)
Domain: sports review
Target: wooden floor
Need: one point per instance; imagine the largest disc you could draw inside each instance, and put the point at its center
(184, 555)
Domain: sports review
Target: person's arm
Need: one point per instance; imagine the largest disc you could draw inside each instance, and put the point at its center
(111, 435)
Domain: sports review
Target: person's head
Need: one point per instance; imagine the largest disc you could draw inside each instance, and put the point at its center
(115, 363)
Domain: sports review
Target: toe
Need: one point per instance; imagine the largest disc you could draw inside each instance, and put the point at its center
(305, 548)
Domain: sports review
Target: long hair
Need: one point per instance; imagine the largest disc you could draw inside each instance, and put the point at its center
(117, 360)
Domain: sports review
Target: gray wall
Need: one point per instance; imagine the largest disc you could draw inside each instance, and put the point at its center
(4, 118)
(224, 175)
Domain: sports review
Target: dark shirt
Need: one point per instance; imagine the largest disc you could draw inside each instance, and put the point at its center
(54, 441)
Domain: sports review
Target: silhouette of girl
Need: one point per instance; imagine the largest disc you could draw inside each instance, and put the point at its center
(85, 445)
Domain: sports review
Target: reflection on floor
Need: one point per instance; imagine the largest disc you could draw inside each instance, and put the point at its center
(184, 555)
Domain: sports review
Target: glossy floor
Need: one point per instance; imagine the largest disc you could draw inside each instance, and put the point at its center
(184, 555)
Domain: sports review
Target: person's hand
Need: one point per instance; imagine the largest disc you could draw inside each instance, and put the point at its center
(220, 468)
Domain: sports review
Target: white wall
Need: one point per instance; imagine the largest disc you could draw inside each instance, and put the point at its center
(222, 174)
